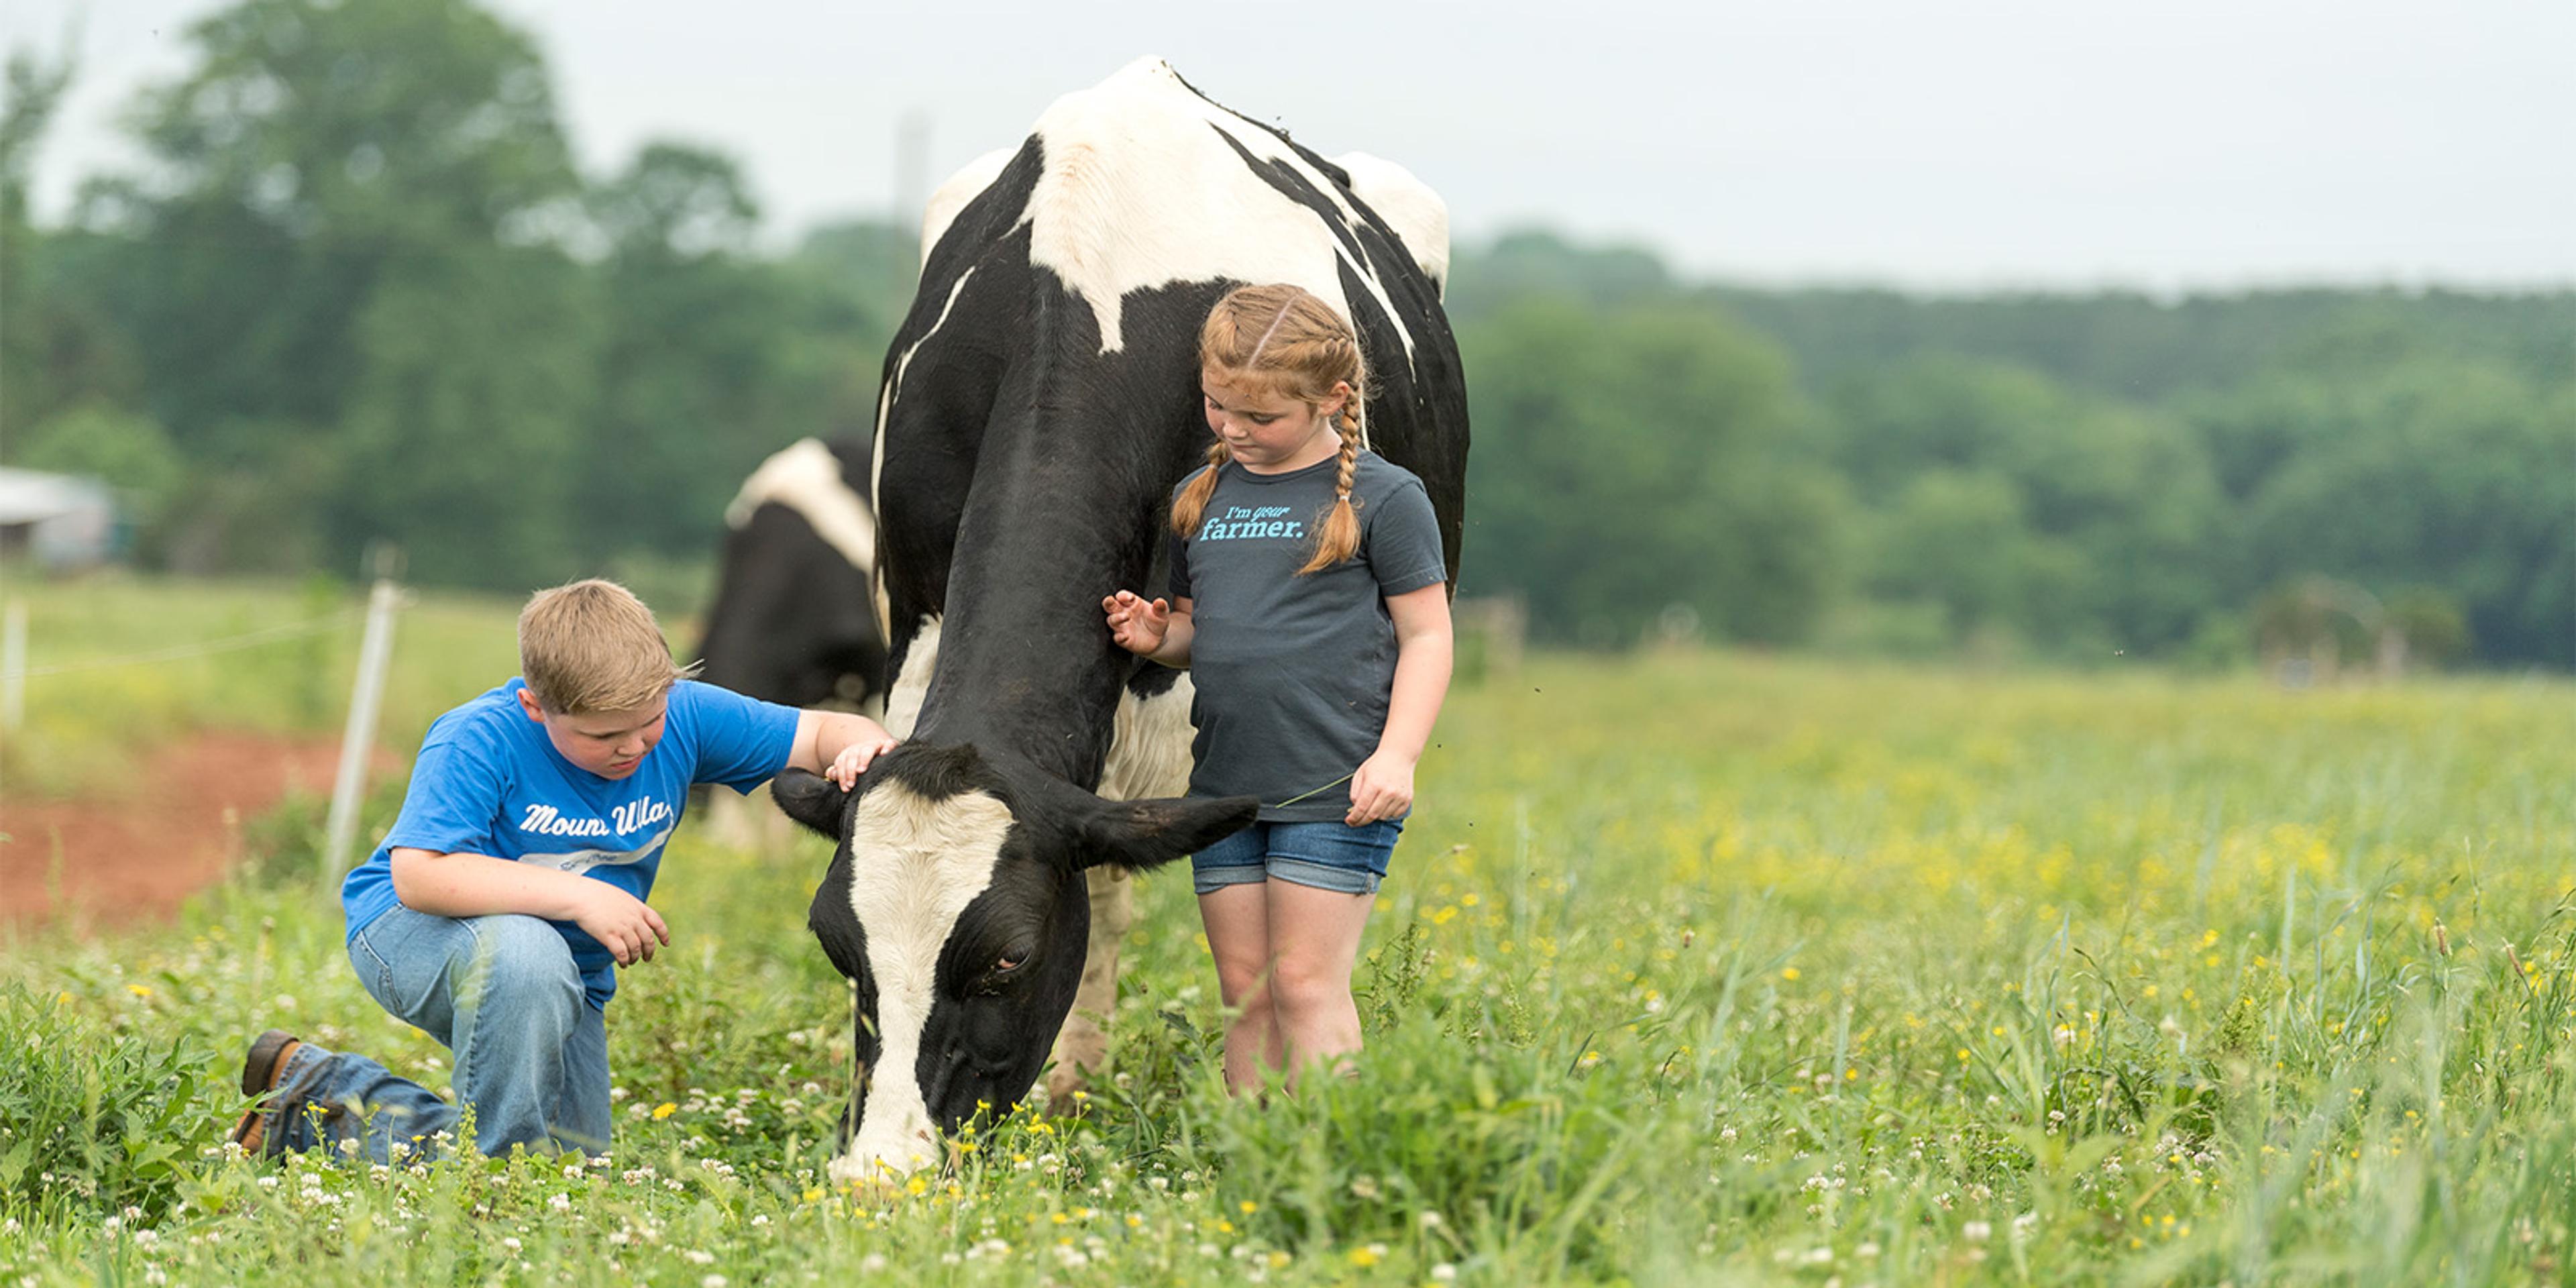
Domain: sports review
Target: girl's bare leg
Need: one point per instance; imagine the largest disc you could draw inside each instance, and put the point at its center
(1238, 933)
(1315, 936)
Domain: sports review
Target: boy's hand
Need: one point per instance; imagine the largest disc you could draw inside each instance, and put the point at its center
(853, 760)
(1383, 788)
(622, 923)
(1137, 625)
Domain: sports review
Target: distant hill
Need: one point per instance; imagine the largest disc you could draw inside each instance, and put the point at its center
(2120, 343)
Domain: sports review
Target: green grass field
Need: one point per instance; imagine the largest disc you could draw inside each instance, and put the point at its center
(1693, 969)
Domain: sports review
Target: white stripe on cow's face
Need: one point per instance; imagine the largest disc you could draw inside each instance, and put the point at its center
(1139, 193)
(903, 701)
(915, 864)
(806, 477)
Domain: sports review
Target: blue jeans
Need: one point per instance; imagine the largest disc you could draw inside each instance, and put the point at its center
(503, 994)
(1324, 856)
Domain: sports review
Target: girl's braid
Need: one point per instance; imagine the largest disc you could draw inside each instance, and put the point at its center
(1339, 538)
(1191, 504)
(1348, 425)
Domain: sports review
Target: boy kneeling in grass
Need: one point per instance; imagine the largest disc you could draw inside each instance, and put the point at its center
(513, 884)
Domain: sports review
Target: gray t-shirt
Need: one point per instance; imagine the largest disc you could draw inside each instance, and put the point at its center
(1294, 673)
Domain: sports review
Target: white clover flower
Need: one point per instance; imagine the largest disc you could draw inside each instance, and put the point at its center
(1977, 1231)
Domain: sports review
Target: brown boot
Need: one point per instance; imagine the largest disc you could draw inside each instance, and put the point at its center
(266, 1060)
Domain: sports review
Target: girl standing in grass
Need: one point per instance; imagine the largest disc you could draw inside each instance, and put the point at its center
(1309, 600)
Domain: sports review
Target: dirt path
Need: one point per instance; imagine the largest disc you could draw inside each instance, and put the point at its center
(134, 856)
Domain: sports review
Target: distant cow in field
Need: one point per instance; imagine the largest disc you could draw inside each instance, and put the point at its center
(793, 622)
(1038, 405)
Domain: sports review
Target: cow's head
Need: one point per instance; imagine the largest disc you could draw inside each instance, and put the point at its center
(957, 904)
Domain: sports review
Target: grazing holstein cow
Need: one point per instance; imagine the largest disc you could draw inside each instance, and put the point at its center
(793, 622)
(1038, 405)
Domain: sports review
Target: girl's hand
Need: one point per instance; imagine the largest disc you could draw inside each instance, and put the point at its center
(1382, 789)
(853, 761)
(1137, 625)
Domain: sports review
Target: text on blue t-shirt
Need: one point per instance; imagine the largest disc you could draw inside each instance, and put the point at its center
(489, 782)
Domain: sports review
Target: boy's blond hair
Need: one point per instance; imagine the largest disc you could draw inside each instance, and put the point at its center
(592, 646)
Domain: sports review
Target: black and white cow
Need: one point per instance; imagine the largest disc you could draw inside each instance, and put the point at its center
(792, 621)
(1038, 404)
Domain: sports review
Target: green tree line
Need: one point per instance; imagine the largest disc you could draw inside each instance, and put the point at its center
(361, 291)
(2072, 476)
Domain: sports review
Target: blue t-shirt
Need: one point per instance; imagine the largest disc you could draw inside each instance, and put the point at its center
(488, 782)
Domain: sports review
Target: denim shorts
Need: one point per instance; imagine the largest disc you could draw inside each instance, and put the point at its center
(1325, 856)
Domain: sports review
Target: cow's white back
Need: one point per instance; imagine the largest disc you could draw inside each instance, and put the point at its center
(1409, 206)
(972, 178)
(1138, 193)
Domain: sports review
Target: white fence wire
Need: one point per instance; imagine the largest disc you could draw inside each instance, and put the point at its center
(375, 654)
(203, 648)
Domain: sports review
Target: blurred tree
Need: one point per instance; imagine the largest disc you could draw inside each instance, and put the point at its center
(695, 333)
(2431, 471)
(2136, 348)
(870, 265)
(28, 389)
(716, 358)
(1962, 538)
(464, 432)
(1647, 457)
(1534, 262)
(2110, 514)
(125, 450)
(330, 175)
(855, 282)
(676, 203)
(2430, 623)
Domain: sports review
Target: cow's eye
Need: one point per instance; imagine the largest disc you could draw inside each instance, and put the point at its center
(1008, 962)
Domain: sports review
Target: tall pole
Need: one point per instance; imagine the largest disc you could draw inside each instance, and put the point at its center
(13, 667)
(911, 168)
(375, 651)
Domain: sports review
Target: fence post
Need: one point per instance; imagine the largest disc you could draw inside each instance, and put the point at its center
(13, 667)
(375, 650)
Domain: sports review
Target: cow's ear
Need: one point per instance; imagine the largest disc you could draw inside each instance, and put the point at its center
(810, 799)
(1137, 835)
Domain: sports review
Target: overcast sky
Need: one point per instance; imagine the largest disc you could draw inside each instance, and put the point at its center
(2186, 144)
